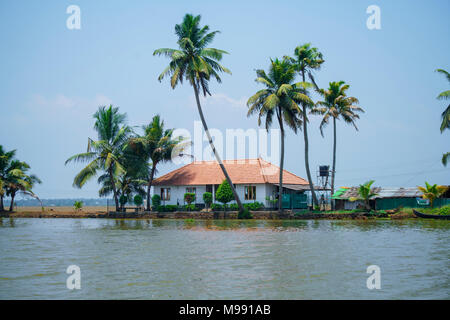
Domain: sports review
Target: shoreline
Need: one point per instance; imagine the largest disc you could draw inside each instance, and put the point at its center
(101, 213)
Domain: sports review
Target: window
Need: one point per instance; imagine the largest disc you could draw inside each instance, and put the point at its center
(165, 193)
(190, 190)
(250, 192)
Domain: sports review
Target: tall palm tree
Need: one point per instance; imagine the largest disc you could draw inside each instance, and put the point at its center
(196, 63)
(280, 98)
(445, 95)
(6, 157)
(336, 105)
(104, 153)
(432, 192)
(307, 59)
(156, 146)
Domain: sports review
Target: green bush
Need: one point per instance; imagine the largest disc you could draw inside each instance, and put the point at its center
(138, 200)
(207, 199)
(167, 208)
(190, 207)
(216, 206)
(224, 193)
(189, 197)
(156, 201)
(233, 207)
(255, 206)
(123, 200)
(245, 214)
(78, 205)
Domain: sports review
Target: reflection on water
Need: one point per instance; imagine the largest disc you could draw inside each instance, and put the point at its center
(223, 259)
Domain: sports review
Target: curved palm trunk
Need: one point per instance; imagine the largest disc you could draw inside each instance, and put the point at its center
(305, 137)
(280, 190)
(334, 161)
(149, 186)
(113, 184)
(2, 208)
(225, 173)
(11, 205)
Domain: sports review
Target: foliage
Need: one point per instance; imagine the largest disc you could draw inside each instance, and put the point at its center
(445, 95)
(78, 205)
(156, 200)
(224, 193)
(272, 201)
(207, 199)
(216, 207)
(105, 153)
(245, 214)
(432, 192)
(167, 208)
(123, 200)
(365, 193)
(190, 207)
(189, 197)
(138, 200)
(254, 206)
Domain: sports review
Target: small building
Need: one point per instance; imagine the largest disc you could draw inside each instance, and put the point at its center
(254, 179)
(385, 199)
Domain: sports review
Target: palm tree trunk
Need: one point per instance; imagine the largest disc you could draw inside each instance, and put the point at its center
(334, 161)
(280, 190)
(150, 181)
(113, 184)
(11, 205)
(305, 137)
(225, 173)
(2, 208)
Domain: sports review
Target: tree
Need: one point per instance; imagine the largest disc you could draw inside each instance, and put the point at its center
(78, 205)
(224, 193)
(196, 63)
(156, 146)
(207, 199)
(365, 193)
(14, 178)
(432, 192)
(307, 59)
(445, 95)
(189, 197)
(336, 105)
(280, 98)
(104, 153)
(138, 200)
(19, 181)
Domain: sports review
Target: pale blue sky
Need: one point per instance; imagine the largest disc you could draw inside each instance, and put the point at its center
(52, 79)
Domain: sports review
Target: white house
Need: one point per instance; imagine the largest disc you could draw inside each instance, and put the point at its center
(254, 179)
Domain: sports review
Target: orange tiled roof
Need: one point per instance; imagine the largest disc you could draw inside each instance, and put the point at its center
(240, 171)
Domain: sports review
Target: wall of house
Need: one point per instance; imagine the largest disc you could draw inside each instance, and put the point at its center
(177, 193)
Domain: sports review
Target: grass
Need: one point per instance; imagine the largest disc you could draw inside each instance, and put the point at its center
(445, 210)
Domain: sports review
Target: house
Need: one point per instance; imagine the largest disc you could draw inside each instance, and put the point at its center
(254, 179)
(385, 198)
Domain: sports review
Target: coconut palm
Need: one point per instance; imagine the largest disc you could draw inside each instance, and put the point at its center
(306, 60)
(365, 193)
(432, 192)
(156, 146)
(280, 98)
(196, 63)
(104, 153)
(336, 105)
(18, 181)
(6, 157)
(445, 95)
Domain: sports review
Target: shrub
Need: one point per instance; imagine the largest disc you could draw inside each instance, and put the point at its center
(78, 205)
(190, 207)
(207, 199)
(123, 200)
(156, 200)
(245, 214)
(167, 208)
(234, 207)
(216, 206)
(138, 200)
(255, 206)
(189, 197)
(224, 193)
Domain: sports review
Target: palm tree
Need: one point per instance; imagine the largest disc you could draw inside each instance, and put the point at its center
(365, 193)
(445, 95)
(5, 162)
(336, 105)
(307, 59)
(19, 181)
(196, 63)
(104, 154)
(432, 192)
(156, 146)
(280, 98)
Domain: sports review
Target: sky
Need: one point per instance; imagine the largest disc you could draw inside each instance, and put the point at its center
(53, 79)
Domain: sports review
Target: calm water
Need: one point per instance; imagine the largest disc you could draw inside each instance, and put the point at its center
(168, 259)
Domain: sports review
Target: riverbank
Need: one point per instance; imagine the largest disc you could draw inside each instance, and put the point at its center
(102, 212)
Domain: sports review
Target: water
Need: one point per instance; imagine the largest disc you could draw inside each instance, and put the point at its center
(173, 259)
